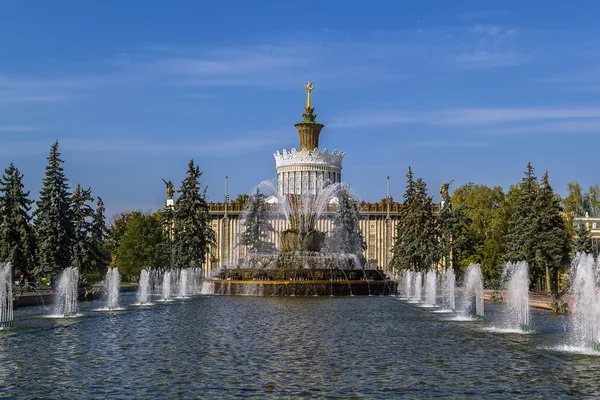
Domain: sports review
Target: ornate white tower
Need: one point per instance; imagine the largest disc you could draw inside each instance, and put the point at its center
(307, 170)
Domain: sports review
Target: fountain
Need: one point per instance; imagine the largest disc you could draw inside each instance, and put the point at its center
(517, 275)
(304, 265)
(585, 302)
(448, 290)
(408, 278)
(111, 284)
(308, 189)
(143, 293)
(473, 287)
(182, 283)
(6, 296)
(66, 301)
(166, 286)
(418, 287)
(431, 288)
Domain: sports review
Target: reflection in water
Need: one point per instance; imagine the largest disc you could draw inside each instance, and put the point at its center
(220, 347)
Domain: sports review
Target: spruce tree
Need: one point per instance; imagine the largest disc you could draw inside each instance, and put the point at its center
(551, 241)
(455, 241)
(53, 220)
(88, 236)
(416, 246)
(404, 244)
(583, 241)
(347, 235)
(17, 242)
(257, 228)
(193, 234)
(520, 241)
(98, 237)
(428, 233)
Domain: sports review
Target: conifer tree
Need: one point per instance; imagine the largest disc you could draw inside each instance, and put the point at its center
(53, 219)
(88, 234)
(520, 241)
(257, 227)
(193, 235)
(455, 241)
(98, 237)
(428, 233)
(17, 242)
(582, 242)
(417, 232)
(551, 241)
(404, 244)
(347, 235)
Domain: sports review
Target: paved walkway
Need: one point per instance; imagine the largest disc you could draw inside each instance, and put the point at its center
(536, 299)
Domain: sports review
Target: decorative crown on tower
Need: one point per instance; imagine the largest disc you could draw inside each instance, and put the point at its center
(308, 115)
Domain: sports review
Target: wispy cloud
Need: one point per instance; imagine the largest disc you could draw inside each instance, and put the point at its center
(18, 128)
(448, 143)
(483, 120)
(490, 46)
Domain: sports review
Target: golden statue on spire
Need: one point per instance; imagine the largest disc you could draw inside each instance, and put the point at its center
(309, 87)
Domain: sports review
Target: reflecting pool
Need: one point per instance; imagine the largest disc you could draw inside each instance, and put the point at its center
(288, 347)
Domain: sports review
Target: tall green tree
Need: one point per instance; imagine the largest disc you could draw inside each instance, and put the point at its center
(346, 236)
(583, 241)
(485, 209)
(17, 241)
(88, 252)
(115, 232)
(417, 232)
(456, 242)
(53, 219)
(551, 240)
(257, 228)
(521, 235)
(140, 245)
(98, 238)
(193, 235)
(592, 201)
(405, 244)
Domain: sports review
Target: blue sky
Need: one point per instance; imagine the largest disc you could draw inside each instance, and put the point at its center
(463, 90)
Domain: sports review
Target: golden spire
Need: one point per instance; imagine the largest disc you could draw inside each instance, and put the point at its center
(309, 87)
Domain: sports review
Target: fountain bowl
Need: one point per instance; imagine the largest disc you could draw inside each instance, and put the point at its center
(301, 282)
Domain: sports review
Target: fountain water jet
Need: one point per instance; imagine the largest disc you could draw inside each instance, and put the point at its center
(166, 286)
(66, 303)
(448, 290)
(418, 287)
(143, 294)
(6, 300)
(431, 288)
(408, 279)
(585, 302)
(473, 286)
(111, 284)
(517, 275)
(183, 283)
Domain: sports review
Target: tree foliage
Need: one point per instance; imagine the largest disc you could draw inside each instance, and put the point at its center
(193, 235)
(486, 211)
(417, 232)
(455, 242)
(53, 219)
(138, 242)
(88, 234)
(346, 236)
(256, 226)
(17, 241)
(583, 241)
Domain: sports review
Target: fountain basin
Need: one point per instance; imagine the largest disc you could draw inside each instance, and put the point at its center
(301, 282)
